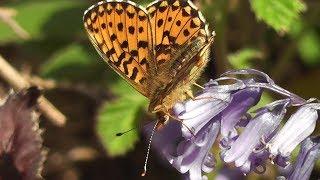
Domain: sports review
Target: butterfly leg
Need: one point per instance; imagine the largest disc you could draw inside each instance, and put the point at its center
(198, 85)
(203, 98)
(163, 118)
(190, 95)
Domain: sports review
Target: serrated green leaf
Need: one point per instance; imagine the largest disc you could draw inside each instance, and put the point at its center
(309, 47)
(44, 17)
(122, 88)
(242, 58)
(279, 14)
(120, 115)
(74, 63)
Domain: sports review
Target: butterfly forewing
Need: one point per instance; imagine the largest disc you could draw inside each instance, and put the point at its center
(120, 31)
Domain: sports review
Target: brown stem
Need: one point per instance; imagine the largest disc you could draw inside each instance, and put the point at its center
(16, 80)
(94, 92)
(220, 39)
(6, 15)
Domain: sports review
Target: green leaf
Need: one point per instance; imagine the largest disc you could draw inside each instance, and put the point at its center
(242, 58)
(265, 99)
(297, 28)
(41, 18)
(309, 47)
(74, 63)
(279, 14)
(120, 115)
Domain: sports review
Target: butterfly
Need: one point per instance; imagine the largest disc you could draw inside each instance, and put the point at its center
(160, 50)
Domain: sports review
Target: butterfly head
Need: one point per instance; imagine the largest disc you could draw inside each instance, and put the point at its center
(163, 119)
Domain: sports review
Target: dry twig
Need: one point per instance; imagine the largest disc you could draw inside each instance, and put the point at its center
(16, 80)
(94, 92)
(6, 15)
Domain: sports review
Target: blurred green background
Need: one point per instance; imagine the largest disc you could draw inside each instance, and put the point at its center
(45, 39)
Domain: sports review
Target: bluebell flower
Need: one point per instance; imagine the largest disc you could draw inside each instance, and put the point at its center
(247, 139)
(188, 151)
(299, 126)
(208, 104)
(191, 156)
(241, 102)
(243, 150)
(309, 153)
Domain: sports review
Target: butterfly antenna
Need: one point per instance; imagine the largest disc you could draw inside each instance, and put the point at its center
(148, 151)
(139, 127)
(125, 132)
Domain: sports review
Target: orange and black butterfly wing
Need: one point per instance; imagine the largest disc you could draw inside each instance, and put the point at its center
(180, 33)
(121, 33)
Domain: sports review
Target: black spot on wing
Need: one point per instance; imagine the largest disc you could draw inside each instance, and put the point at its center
(113, 4)
(134, 73)
(184, 13)
(109, 11)
(160, 22)
(120, 58)
(94, 19)
(174, 7)
(166, 33)
(103, 26)
(193, 25)
(134, 53)
(143, 61)
(140, 29)
(163, 8)
(124, 44)
(142, 18)
(113, 37)
(131, 29)
(120, 26)
(110, 52)
(130, 15)
(186, 32)
(178, 23)
(142, 44)
(119, 11)
(125, 65)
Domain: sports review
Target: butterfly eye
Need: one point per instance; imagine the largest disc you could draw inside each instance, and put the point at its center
(166, 119)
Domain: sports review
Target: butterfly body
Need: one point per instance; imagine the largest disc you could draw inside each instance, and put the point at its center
(160, 50)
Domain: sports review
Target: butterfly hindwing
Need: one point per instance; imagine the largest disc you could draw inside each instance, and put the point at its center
(120, 31)
(174, 23)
